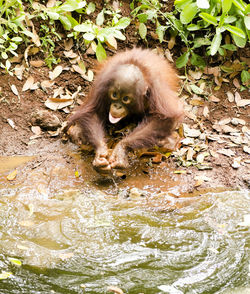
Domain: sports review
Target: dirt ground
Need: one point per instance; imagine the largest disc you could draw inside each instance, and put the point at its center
(226, 151)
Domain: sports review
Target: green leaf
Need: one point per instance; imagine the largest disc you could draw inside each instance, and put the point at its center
(226, 5)
(100, 52)
(160, 32)
(188, 13)
(4, 55)
(236, 31)
(53, 15)
(122, 23)
(142, 30)
(247, 9)
(84, 27)
(215, 44)
(182, 60)
(15, 261)
(17, 39)
(239, 4)
(247, 21)
(196, 89)
(230, 19)
(142, 17)
(208, 18)
(193, 27)
(65, 22)
(90, 8)
(100, 18)
(89, 36)
(197, 60)
(245, 77)
(201, 42)
(230, 47)
(180, 4)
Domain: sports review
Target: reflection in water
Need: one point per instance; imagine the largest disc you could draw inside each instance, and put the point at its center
(83, 241)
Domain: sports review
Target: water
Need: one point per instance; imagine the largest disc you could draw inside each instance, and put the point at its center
(73, 240)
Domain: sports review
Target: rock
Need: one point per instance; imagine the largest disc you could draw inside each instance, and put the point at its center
(45, 119)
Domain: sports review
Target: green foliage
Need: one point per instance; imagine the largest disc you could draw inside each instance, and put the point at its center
(214, 18)
(12, 30)
(107, 29)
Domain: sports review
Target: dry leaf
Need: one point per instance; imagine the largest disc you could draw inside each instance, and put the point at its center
(14, 90)
(236, 163)
(47, 84)
(57, 103)
(230, 96)
(51, 3)
(56, 72)
(236, 83)
(169, 55)
(12, 175)
(246, 149)
(37, 63)
(35, 37)
(79, 69)
(11, 123)
(70, 54)
(111, 42)
(114, 289)
(243, 102)
(224, 121)
(213, 98)
(237, 121)
(206, 111)
(36, 130)
(190, 154)
(28, 84)
(18, 70)
(68, 44)
(226, 152)
(171, 43)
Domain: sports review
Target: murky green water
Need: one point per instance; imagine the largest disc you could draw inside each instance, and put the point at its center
(84, 241)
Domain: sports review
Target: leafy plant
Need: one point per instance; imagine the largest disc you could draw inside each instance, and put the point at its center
(214, 17)
(12, 29)
(101, 33)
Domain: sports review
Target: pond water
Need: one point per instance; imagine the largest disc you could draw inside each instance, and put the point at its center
(76, 238)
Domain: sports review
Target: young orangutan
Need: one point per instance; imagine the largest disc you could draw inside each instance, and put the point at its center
(134, 84)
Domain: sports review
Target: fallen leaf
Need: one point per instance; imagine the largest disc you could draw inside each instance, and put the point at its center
(114, 289)
(236, 83)
(79, 69)
(14, 90)
(28, 84)
(236, 163)
(12, 175)
(226, 152)
(237, 121)
(11, 123)
(47, 84)
(206, 111)
(111, 42)
(70, 54)
(213, 98)
(37, 63)
(56, 72)
(68, 44)
(36, 130)
(243, 102)
(224, 121)
(57, 103)
(230, 96)
(246, 149)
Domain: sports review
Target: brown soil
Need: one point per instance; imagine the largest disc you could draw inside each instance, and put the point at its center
(16, 140)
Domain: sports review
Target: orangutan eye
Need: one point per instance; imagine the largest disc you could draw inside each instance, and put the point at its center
(126, 99)
(114, 95)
